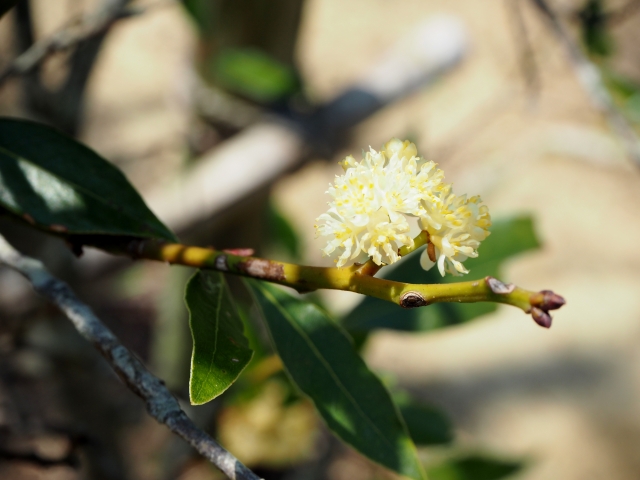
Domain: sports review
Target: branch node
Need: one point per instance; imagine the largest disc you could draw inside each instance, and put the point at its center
(413, 300)
(260, 268)
(498, 287)
(221, 263)
(240, 252)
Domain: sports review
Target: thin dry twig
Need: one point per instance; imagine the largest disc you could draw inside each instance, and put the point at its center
(159, 402)
(591, 79)
(527, 58)
(214, 104)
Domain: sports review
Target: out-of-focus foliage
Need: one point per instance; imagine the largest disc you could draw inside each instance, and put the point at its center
(58, 184)
(595, 35)
(203, 12)
(253, 74)
(474, 467)
(626, 92)
(271, 427)
(321, 360)
(220, 349)
(508, 238)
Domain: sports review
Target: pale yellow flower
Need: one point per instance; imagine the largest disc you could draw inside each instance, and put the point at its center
(456, 226)
(372, 200)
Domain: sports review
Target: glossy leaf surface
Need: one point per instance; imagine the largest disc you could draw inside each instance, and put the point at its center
(320, 358)
(58, 184)
(220, 349)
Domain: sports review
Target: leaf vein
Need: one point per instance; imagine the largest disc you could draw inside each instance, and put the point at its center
(330, 369)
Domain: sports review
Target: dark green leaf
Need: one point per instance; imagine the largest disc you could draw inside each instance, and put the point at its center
(60, 185)
(508, 238)
(474, 467)
(320, 359)
(220, 349)
(203, 12)
(595, 34)
(254, 74)
(258, 341)
(427, 425)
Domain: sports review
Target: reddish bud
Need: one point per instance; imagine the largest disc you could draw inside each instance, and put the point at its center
(541, 317)
(551, 301)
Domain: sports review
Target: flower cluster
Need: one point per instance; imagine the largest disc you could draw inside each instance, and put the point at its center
(371, 202)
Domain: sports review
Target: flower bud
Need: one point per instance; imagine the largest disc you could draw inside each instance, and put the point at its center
(541, 317)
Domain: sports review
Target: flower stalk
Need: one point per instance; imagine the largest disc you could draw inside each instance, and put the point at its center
(419, 240)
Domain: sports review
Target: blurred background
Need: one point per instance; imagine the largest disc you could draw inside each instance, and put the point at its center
(230, 118)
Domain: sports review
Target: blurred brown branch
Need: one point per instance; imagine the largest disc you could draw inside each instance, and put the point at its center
(526, 55)
(591, 80)
(159, 402)
(70, 459)
(612, 17)
(72, 34)
(434, 47)
(623, 13)
(214, 104)
(6, 5)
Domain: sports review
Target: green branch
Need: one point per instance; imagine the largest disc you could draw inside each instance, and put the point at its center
(357, 278)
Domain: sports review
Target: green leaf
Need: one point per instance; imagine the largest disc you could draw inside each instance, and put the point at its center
(203, 12)
(220, 349)
(254, 74)
(595, 32)
(59, 185)
(474, 467)
(508, 238)
(625, 92)
(319, 357)
(427, 425)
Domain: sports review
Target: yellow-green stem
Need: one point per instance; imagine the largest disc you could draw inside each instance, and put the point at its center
(354, 279)
(421, 239)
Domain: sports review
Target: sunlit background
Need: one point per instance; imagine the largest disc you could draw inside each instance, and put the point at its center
(224, 115)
